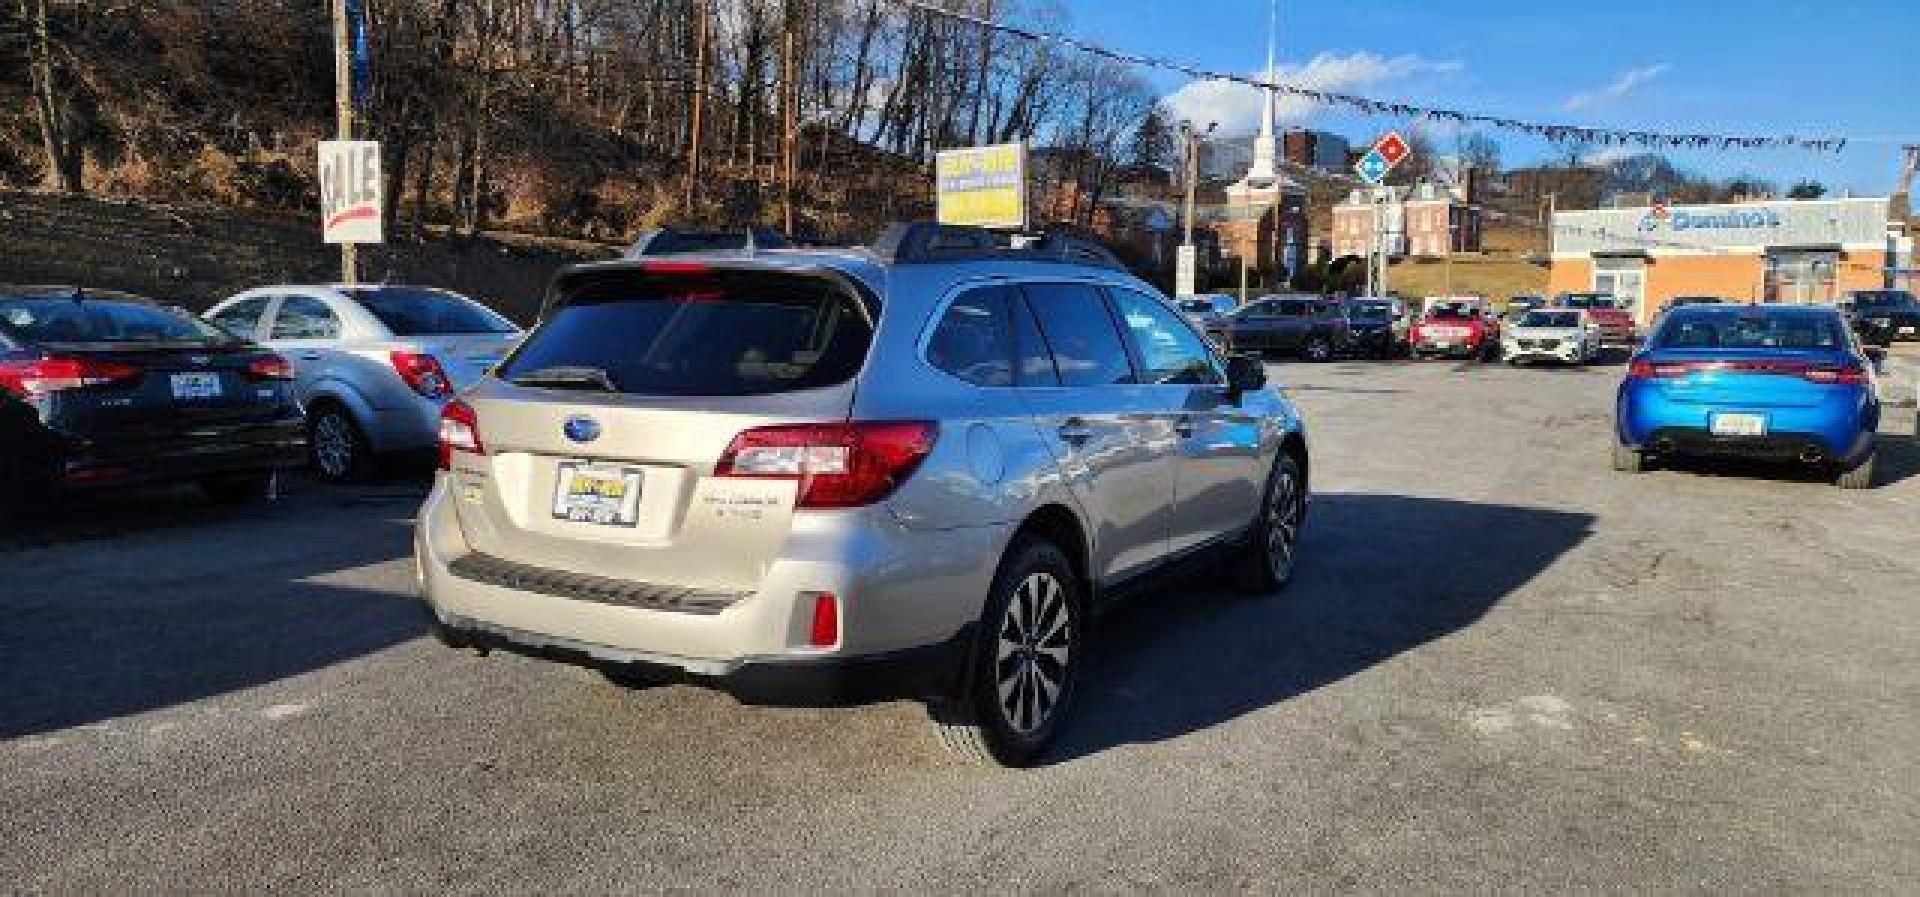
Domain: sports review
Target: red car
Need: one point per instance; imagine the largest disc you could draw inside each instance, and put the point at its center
(1617, 330)
(1459, 329)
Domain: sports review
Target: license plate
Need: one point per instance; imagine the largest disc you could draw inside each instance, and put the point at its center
(1739, 425)
(1906, 331)
(196, 386)
(586, 492)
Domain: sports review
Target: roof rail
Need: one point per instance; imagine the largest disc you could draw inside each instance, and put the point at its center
(921, 242)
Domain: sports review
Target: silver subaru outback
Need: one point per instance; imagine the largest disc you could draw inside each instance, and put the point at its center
(835, 476)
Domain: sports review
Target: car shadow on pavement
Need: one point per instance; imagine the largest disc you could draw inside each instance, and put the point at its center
(101, 629)
(1402, 572)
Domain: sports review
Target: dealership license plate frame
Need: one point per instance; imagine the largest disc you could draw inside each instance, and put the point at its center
(1737, 424)
(597, 493)
(195, 386)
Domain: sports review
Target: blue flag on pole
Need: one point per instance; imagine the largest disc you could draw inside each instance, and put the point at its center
(362, 50)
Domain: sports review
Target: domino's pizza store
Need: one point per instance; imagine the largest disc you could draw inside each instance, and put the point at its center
(1795, 251)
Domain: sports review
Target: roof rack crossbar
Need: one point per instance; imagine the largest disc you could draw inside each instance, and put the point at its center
(923, 242)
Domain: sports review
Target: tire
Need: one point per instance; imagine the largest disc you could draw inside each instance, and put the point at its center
(1861, 476)
(1316, 349)
(1627, 460)
(337, 447)
(1264, 563)
(1031, 635)
(238, 488)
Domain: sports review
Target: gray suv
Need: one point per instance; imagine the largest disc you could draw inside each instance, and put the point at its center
(834, 476)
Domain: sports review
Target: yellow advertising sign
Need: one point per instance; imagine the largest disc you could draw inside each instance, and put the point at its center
(983, 186)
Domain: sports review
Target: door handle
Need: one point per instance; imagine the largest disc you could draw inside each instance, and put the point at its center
(1075, 430)
(309, 356)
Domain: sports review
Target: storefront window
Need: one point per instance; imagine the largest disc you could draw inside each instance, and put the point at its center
(1801, 276)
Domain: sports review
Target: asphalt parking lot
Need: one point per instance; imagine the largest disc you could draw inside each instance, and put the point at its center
(1503, 667)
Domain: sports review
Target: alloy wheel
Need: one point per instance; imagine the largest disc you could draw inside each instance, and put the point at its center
(333, 445)
(1283, 524)
(1032, 658)
(1318, 350)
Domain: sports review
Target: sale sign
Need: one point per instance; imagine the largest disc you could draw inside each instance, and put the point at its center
(350, 185)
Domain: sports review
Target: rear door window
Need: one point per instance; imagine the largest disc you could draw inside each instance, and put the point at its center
(304, 317)
(416, 311)
(974, 339)
(242, 318)
(1081, 331)
(704, 333)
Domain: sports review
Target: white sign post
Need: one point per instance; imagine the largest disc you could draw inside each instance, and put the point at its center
(350, 185)
(1183, 271)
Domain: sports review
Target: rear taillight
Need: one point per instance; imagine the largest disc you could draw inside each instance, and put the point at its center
(1844, 374)
(270, 367)
(35, 378)
(459, 431)
(1647, 370)
(1840, 375)
(842, 465)
(422, 373)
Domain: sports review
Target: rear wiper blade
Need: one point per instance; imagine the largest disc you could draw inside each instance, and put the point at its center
(567, 378)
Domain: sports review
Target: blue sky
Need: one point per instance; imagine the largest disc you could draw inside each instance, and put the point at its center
(1843, 67)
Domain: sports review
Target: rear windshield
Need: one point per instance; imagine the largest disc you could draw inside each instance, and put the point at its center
(1369, 311)
(413, 311)
(1750, 329)
(1883, 297)
(65, 320)
(1551, 319)
(727, 333)
(1451, 312)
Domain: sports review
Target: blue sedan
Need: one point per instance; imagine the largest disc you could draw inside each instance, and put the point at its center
(1785, 383)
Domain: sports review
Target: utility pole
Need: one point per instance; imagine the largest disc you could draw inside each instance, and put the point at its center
(789, 97)
(343, 101)
(701, 31)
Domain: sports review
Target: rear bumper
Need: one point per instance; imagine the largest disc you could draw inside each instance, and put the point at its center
(1839, 430)
(925, 672)
(906, 603)
(1566, 351)
(277, 445)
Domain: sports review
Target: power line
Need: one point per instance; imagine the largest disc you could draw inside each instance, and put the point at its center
(1555, 132)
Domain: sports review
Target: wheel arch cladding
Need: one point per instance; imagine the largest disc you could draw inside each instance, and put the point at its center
(1058, 525)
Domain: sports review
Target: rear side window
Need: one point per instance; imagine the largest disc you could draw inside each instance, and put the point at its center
(974, 340)
(413, 311)
(242, 318)
(1086, 343)
(705, 333)
(50, 319)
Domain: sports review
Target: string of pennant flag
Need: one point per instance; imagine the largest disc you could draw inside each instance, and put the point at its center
(1558, 133)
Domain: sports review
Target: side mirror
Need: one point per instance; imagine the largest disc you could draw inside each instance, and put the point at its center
(1245, 374)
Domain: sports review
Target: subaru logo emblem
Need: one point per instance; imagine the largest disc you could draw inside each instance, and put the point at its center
(201, 360)
(581, 428)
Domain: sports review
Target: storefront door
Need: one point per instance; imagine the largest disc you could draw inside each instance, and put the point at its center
(1625, 279)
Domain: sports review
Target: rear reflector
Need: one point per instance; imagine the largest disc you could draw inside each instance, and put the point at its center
(422, 373)
(841, 465)
(459, 431)
(37, 377)
(826, 621)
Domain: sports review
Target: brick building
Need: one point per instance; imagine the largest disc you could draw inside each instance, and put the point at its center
(1425, 220)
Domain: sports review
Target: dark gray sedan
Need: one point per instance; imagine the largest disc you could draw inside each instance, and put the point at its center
(1308, 327)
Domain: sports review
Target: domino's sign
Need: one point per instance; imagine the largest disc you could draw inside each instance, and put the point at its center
(1718, 219)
